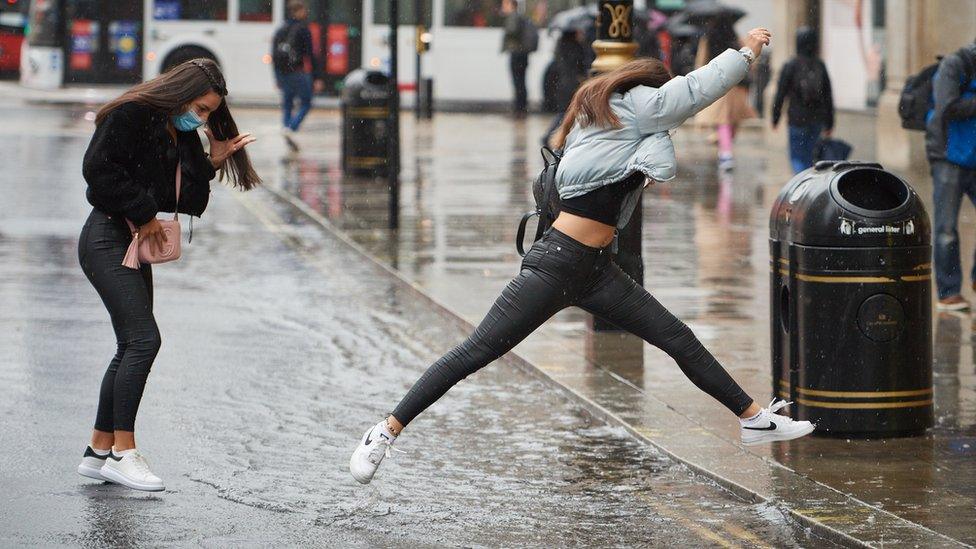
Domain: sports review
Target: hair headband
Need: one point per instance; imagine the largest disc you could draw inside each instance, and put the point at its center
(214, 82)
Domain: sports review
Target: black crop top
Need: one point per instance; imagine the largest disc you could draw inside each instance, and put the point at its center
(603, 204)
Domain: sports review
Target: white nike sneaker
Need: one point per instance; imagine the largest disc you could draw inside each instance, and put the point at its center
(131, 470)
(769, 426)
(375, 445)
(91, 464)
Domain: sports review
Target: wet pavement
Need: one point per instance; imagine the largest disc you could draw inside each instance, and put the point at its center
(280, 345)
(464, 186)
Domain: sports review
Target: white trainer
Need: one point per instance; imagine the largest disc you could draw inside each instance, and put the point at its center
(131, 470)
(290, 138)
(91, 464)
(375, 445)
(769, 426)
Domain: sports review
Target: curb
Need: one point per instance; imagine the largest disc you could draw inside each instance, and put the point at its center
(817, 527)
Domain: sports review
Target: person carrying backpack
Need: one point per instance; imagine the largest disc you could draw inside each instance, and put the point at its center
(950, 144)
(291, 46)
(520, 39)
(614, 138)
(805, 82)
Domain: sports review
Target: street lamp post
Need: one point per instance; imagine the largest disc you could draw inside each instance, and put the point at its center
(614, 47)
(393, 176)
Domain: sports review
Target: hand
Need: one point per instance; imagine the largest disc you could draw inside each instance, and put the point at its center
(756, 39)
(153, 231)
(222, 150)
(319, 86)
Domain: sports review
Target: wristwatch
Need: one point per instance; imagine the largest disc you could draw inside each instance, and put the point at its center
(746, 52)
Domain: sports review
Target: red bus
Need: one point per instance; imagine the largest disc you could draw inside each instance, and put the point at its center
(13, 19)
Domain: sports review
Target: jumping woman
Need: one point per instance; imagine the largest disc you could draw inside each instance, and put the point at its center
(614, 137)
(141, 139)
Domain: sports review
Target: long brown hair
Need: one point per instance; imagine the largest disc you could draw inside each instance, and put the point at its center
(173, 90)
(591, 102)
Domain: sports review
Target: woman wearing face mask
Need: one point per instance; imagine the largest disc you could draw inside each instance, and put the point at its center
(614, 137)
(140, 140)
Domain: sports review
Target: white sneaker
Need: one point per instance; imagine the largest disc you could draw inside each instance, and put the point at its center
(91, 464)
(131, 470)
(375, 445)
(726, 162)
(769, 426)
(289, 135)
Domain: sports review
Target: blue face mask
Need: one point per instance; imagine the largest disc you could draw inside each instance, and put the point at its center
(187, 122)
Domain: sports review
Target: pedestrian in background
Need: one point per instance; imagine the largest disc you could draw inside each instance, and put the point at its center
(728, 112)
(297, 69)
(615, 138)
(519, 40)
(569, 64)
(950, 144)
(141, 139)
(805, 83)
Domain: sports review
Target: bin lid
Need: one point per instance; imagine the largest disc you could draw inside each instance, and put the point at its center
(366, 84)
(849, 204)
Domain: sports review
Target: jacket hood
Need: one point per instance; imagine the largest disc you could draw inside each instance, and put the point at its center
(806, 42)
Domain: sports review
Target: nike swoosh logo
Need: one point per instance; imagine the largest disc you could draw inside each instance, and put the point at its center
(771, 427)
(368, 440)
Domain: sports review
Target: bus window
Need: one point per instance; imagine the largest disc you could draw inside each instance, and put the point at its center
(256, 11)
(476, 13)
(190, 10)
(381, 12)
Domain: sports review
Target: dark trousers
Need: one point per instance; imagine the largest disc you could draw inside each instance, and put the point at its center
(519, 63)
(950, 183)
(559, 272)
(295, 85)
(127, 294)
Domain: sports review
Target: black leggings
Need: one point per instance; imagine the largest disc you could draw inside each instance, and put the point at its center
(556, 273)
(127, 295)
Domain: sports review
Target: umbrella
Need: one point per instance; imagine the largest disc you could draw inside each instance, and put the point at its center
(679, 30)
(584, 18)
(578, 18)
(700, 11)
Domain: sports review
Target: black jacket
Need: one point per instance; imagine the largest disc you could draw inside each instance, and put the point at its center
(570, 62)
(948, 105)
(301, 38)
(802, 113)
(130, 166)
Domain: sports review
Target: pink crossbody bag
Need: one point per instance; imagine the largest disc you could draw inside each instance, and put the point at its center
(142, 252)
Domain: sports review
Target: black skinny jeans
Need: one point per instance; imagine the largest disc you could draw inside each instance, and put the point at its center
(127, 295)
(556, 273)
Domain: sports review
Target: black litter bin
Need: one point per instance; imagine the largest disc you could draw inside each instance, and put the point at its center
(366, 101)
(851, 320)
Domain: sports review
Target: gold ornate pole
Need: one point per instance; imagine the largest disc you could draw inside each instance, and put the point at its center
(614, 44)
(614, 47)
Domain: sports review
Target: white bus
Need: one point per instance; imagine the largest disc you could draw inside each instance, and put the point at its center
(464, 60)
(126, 41)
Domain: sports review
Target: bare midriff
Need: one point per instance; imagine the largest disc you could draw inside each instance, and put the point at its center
(586, 231)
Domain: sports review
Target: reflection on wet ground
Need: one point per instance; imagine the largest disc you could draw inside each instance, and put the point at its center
(706, 257)
(280, 346)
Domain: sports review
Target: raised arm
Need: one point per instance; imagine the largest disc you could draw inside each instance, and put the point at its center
(667, 107)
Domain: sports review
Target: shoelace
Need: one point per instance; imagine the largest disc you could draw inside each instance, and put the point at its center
(383, 448)
(141, 464)
(777, 406)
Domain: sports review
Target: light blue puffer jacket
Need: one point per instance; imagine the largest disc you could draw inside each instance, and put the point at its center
(595, 156)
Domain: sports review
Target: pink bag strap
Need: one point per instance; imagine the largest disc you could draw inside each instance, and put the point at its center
(179, 186)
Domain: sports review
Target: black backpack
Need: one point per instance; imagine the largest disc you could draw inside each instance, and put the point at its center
(285, 53)
(809, 84)
(546, 200)
(916, 98)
